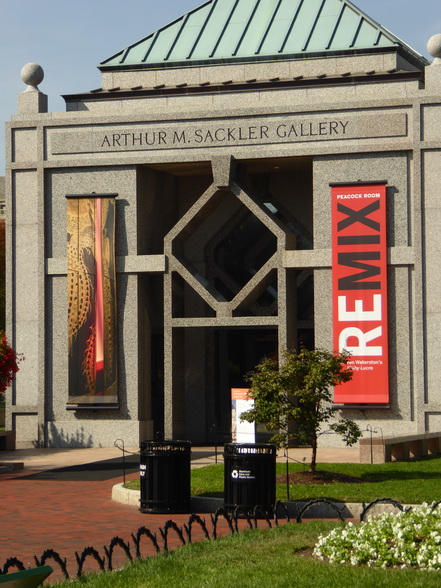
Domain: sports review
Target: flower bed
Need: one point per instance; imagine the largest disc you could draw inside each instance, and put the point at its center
(410, 538)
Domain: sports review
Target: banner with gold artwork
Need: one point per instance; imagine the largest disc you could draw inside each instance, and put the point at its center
(91, 299)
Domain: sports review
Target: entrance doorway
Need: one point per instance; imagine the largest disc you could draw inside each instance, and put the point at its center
(229, 297)
(238, 352)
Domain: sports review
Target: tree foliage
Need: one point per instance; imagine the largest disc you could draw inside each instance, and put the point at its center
(294, 398)
(9, 361)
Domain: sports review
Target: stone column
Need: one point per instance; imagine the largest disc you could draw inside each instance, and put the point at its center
(25, 316)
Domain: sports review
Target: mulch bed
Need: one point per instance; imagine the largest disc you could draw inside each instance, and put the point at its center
(318, 477)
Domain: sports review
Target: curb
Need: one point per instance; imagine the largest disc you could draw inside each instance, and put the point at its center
(199, 504)
(12, 466)
(125, 495)
(205, 504)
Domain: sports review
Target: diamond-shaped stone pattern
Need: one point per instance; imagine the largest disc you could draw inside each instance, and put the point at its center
(224, 246)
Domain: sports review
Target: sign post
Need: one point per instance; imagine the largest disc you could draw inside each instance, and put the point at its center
(242, 431)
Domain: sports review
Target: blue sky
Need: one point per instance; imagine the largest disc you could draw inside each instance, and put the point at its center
(70, 38)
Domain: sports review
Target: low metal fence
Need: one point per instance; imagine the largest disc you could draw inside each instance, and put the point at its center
(251, 518)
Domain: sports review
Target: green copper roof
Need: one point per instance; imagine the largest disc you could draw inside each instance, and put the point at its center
(229, 30)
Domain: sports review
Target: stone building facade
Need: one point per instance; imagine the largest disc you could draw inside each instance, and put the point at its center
(216, 142)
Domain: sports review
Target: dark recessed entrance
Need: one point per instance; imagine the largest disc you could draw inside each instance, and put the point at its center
(228, 298)
(238, 351)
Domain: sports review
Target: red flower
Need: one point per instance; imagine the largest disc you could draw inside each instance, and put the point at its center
(9, 361)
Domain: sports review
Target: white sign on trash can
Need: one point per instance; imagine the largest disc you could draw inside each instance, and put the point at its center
(242, 431)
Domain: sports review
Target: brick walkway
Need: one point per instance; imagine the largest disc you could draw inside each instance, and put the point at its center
(70, 516)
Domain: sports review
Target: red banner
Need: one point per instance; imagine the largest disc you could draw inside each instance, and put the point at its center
(359, 290)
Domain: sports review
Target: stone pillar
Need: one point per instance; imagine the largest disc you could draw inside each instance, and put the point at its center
(25, 315)
(433, 72)
(32, 101)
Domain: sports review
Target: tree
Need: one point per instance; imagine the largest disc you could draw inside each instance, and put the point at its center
(299, 391)
(9, 361)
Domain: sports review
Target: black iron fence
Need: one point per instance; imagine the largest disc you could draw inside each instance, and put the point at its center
(250, 518)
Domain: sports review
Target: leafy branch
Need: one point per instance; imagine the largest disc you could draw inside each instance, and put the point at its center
(293, 398)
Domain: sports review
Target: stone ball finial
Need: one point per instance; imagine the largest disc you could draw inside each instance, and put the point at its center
(32, 74)
(434, 48)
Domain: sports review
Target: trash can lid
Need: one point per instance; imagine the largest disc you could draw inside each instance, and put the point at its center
(165, 445)
(249, 448)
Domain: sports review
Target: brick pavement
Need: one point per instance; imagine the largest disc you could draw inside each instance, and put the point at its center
(70, 516)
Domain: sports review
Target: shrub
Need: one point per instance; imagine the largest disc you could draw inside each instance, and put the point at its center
(9, 361)
(410, 538)
(299, 390)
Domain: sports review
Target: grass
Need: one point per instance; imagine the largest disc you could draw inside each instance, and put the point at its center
(409, 482)
(276, 558)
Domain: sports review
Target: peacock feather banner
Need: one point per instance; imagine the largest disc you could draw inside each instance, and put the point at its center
(91, 294)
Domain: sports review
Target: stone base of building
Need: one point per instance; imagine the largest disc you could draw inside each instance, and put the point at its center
(97, 433)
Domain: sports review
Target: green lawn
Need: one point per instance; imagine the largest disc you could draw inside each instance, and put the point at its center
(410, 482)
(281, 557)
(275, 558)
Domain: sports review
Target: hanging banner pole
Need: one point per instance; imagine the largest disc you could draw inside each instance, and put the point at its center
(359, 290)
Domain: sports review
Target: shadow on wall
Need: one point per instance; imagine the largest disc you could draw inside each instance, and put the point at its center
(58, 438)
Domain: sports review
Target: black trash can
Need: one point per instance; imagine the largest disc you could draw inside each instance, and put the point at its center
(165, 476)
(249, 476)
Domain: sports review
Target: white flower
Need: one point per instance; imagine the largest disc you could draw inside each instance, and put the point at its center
(407, 538)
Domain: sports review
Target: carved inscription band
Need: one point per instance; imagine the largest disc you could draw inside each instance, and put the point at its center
(234, 132)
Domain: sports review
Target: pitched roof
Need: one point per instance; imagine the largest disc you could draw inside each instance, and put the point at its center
(242, 30)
